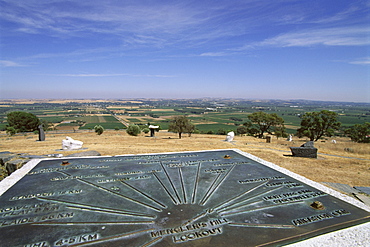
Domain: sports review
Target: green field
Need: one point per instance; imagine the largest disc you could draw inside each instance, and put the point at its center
(109, 122)
(215, 128)
(209, 116)
(115, 125)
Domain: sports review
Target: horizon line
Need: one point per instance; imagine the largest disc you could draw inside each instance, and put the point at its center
(165, 98)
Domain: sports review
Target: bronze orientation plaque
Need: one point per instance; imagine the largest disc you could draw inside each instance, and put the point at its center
(205, 198)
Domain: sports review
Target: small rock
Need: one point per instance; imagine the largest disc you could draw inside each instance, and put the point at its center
(6, 156)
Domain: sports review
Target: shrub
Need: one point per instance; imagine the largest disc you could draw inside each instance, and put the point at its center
(11, 131)
(221, 132)
(99, 129)
(146, 130)
(133, 130)
(359, 132)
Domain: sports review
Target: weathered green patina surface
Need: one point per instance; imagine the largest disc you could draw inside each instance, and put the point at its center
(206, 198)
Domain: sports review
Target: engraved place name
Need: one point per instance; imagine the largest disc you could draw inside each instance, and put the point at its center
(150, 162)
(197, 234)
(320, 217)
(181, 164)
(110, 160)
(255, 180)
(47, 207)
(293, 196)
(35, 219)
(77, 177)
(45, 194)
(25, 207)
(194, 231)
(170, 231)
(231, 163)
(135, 172)
(177, 163)
(110, 180)
(288, 184)
(218, 170)
(76, 167)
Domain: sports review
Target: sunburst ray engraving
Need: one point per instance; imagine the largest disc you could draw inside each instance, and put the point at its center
(167, 200)
(144, 194)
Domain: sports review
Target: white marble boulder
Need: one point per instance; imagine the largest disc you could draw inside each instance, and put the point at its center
(230, 136)
(71, 144)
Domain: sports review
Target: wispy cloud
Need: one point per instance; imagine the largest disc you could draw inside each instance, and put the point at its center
(361, 61)
(109, 17)
(341, 36)
(114, 75)
(6, 63)
(159, 24)
(342, 15)
(185, 25)
(214, 54)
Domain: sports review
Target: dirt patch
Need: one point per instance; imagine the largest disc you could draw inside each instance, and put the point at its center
(354, 172)
(290, 126)
(66, 127)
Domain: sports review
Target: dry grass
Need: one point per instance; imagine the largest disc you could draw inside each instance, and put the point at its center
(354, 172)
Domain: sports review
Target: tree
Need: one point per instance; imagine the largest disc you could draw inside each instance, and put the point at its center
(265, 122)
(99, 129)
(23, 121)
(359, 132)
(314, 125)
(241, 130)
(252, 130)
(180, 124)
(280, 132)
(190, 128)
(133, 130)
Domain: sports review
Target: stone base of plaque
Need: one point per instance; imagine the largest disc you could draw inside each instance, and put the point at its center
(304, 152)
(203, 198)
(307, 150)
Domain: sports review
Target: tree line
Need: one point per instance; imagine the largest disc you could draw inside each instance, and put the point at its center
(314, 125)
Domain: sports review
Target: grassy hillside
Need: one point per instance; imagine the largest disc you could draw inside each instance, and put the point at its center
(331, 166)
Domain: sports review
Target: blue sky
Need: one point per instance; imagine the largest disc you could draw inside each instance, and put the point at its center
(252, 49)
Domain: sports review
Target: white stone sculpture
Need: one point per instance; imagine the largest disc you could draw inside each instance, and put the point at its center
(152, 129)
(230, 136)
(69, 144)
